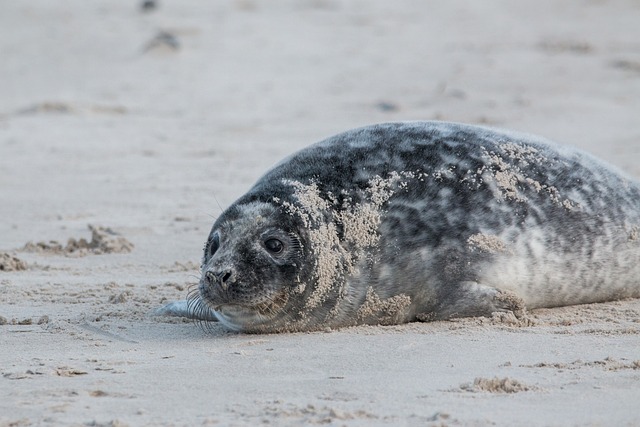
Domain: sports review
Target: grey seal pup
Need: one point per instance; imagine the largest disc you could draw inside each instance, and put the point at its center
(399, 222)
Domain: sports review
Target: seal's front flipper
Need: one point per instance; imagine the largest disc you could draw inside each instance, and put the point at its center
(471, 299)
(188, 309)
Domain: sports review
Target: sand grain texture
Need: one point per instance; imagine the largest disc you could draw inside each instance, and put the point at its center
(147, 121)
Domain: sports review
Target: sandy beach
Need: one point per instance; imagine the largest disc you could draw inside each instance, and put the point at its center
(125, 130)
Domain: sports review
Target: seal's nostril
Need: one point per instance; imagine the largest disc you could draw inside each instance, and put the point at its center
(219, 278)
(226, 276)
(210, 277)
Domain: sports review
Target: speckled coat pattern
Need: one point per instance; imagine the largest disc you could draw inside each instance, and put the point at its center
(421, 221)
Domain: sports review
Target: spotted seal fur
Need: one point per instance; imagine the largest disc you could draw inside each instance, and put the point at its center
(398, 222)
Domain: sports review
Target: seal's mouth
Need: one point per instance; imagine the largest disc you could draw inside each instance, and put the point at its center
(245, 317)
(268, 308)
(222, 299)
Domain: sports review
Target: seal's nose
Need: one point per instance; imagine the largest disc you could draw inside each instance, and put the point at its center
(222, 278)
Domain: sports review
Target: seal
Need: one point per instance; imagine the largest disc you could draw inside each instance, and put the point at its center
(407, 221)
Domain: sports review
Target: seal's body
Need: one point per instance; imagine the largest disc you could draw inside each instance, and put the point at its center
(399, 222)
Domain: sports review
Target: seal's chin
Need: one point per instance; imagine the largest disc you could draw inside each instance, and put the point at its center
(244, 319)
(262, 317)
(239, 318)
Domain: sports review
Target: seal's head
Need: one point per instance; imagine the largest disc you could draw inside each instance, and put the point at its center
(253, 262)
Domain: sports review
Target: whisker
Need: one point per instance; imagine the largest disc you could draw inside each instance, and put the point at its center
(217, 202)
(200, 310)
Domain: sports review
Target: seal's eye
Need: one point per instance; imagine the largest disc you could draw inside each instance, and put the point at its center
(213, 245)
(274, 246)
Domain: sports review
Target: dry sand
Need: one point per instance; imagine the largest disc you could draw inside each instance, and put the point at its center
(144, 124)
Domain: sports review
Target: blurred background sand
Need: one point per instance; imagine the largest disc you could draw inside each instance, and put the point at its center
(150, 120)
